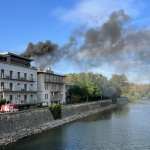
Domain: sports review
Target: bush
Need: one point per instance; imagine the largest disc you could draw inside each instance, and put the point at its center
(55, 110)
(114, 100)
(76, 98)
(2, 101)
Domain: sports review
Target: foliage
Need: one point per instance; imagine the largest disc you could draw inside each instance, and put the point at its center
(55, 110)
(2, 101)
(95, 86)
(114, 100)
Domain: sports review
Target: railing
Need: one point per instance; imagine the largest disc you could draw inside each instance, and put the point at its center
(4, 89)
(17, 88)
(16, 78)
(23, 89)
(54, 81)
(21, 101)
(56, 97)
(56, 90)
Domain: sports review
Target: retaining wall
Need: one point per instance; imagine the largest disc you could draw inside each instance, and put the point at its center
(70, 110)
(13, 122)
(15, 126)
(122, 101)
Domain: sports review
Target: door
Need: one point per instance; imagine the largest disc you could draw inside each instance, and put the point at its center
(10, 99)
(2, 86)
(11, 86)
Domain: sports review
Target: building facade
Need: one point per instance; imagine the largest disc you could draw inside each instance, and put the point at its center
(52, 86)
(18, 80)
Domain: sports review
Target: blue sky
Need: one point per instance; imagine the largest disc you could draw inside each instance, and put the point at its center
(27, 21)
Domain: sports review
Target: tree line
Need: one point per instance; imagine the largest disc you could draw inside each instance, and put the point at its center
(94, 86)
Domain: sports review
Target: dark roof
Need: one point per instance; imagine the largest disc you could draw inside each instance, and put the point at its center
(12, 54)
(56, 74)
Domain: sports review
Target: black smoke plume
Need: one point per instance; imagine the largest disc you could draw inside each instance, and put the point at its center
(114, 41)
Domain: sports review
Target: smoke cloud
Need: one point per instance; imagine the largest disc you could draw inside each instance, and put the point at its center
(113, 40)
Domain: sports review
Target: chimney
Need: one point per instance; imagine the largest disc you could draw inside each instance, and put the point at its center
(49, 68)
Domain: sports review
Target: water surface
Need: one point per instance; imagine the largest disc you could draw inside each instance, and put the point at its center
(127, 128)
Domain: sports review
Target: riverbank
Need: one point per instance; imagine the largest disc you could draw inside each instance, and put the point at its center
(32, 127)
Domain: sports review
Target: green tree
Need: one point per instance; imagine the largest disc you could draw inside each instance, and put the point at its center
(2, 101)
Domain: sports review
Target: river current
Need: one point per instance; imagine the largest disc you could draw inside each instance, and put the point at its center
(127, 128)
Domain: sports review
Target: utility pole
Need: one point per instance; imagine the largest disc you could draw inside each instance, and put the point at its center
(87, 98)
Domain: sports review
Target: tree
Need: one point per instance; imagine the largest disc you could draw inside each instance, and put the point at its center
(2, 101)
(121, 82)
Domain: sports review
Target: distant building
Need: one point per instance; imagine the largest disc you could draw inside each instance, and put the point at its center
(52, 85)
(18, 80)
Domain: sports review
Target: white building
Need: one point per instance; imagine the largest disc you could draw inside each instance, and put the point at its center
(18, 81)
(52, 85)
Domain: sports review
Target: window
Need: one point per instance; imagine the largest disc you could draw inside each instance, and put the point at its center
(11, 86)
(46, 86)
(10, 99)
(18, 74)
(46, 96)
(31, 77)
(2, 85)
(25, 76)
(19, 97)
(11, 74)
(2, 73)
(25, 98)
(25, 87)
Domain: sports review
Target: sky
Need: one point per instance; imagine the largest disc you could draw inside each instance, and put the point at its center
(85, 21)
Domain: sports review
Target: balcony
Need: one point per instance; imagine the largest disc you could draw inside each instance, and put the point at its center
(21, 101)
(3, 89)
(56, 98)
(17, 89)
(23, 90)
(56, 90)
(7, 77)
(54, 81)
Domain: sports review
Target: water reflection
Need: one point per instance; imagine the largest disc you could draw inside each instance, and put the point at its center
(121, 111)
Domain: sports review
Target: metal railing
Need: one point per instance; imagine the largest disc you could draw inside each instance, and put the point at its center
(54, 81)
(5, 89)
(56, 90)
(16, 78)
(56, 97)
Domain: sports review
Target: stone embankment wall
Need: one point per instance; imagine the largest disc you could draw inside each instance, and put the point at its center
(70, 110)
(122, 101)
(15, 126)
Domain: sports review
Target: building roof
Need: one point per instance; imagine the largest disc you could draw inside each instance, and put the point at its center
(39, 70)
(12, 54)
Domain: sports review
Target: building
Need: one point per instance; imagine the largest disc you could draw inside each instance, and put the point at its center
(18, 80)
(52, 85)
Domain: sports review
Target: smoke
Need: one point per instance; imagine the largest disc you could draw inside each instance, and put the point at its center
(42, 53)
(113, 40)
(40, 49)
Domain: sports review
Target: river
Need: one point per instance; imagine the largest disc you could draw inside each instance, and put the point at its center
(127, 128)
